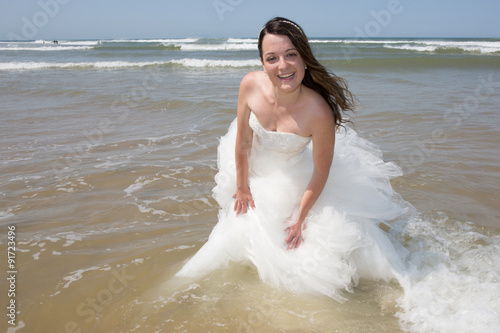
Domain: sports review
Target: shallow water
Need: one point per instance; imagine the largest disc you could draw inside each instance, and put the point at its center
(107, 171)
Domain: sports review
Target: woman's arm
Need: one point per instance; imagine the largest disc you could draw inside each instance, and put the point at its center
(244, 139)
(323, 139)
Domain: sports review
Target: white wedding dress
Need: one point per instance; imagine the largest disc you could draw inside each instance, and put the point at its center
(342, 238)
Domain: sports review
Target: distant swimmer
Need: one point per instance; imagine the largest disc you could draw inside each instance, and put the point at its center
(55, 42)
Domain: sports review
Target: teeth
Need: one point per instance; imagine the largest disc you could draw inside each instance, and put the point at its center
(285, 76)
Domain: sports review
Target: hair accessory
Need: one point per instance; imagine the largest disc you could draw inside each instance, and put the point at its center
(296, 26)
(283, 21)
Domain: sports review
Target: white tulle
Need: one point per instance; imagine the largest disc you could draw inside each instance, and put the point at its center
(342, 240)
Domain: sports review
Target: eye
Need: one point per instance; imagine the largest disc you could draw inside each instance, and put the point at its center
(271, 59)
(293, 54)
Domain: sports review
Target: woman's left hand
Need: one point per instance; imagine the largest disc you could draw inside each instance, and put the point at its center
(294, 238)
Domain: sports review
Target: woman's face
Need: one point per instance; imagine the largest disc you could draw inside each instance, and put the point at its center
(282, 62)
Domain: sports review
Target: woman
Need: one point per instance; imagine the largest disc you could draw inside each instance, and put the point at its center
(285, 98)
(306, 219)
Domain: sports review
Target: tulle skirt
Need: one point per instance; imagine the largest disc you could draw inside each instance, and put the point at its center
(342, 238)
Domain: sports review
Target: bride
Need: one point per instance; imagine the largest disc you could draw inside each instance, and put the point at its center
(301, 195)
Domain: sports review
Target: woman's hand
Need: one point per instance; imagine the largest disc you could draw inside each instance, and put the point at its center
(294, 238)
(243, 200)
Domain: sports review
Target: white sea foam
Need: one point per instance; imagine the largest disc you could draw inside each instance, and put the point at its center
(164, 40)
(242, 40)
(36, 256)
(455, 281)
(145, 209)
(374, 41)
(124, 64)
(450, 301)
(218, 47)
(9, 212)
(216, 63)
(60, 42)
(422, 45)
(64, 189)
(138, 184)
(45, 48)
(25, 178)
(432, 46)
(180, 247)
(409, 47)
(99, 64)
(325, 41)
(109, 164)
(77, 275)
(71, 239)
(81, 42)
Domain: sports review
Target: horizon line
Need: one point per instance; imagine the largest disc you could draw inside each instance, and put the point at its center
(228, 37)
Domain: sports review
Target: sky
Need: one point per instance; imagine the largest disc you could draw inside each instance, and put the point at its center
(136, 19)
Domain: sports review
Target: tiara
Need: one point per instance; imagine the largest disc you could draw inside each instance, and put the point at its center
(283, 21)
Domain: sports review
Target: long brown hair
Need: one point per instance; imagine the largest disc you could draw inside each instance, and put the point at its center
(333, 88)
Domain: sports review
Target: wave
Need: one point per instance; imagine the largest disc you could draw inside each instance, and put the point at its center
(242, 40)
(420, 45)
(356, 64)
(82, 42)
(374, 41)
(46, 48)
(131, 46)
(218, 47)
(46, 65)
(59, 42)
(161, 40)
(216, 63)
(326, 41)
(42, 45)
(406, 63)
(236, 44)
(456, 286)
(183, 44)
(196, 63)
(461, 43)
(451, 46)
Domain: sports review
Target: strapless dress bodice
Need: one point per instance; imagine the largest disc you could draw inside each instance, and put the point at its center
(285, 143)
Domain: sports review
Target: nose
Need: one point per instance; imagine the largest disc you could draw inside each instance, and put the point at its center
(282, 63)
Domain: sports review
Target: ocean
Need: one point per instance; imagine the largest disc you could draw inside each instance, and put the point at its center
(108, 152)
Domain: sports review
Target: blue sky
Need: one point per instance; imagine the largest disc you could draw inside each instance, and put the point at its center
(113, 19)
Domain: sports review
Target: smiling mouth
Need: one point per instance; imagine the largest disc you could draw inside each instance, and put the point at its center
(286, 76)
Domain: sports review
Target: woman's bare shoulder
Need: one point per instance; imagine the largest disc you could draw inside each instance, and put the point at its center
(249, 88)
(320, 115)
(252, 79)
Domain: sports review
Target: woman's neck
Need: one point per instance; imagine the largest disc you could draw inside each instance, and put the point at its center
(287, 98)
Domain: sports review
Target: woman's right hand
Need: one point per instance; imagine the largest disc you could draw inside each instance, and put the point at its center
(243, 200)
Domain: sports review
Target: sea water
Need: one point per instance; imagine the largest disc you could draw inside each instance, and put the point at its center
(108, 158)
